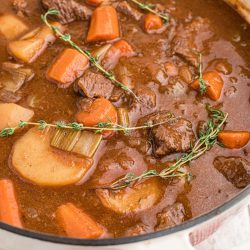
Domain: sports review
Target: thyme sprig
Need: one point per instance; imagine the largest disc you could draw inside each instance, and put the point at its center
(100, 127)
(94, 61)
(202, 83)
(151, 8)
(205, 142)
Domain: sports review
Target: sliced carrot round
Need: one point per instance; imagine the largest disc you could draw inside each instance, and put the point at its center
(234, 139)
(152, 22)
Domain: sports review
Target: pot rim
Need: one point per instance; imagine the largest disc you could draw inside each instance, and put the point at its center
(128, 240)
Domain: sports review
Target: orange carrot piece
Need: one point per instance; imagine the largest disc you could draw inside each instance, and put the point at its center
(152, 22)
(213, 82)
(104, 24)
(116, 51)
(76, 223)
(68, 66)
(101, 110)
(234, 139)
(94, 2)
(9, 211)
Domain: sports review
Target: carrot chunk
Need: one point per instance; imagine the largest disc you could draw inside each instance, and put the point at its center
(116, 51)
(213, 82)
(9, 210)
(94, 2)
(68, 66)
(152, 22)
(234, 139)
(104, 24)
(76, 223)
(101, 110)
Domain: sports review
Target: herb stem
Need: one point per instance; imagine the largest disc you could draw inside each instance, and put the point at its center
(202, 83)
(102, 126)
(205, 142)
(93, 60)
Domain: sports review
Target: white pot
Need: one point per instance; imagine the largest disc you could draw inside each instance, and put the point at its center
(177, 238)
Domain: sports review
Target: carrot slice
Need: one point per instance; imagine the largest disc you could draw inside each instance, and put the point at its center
(152, 22)
(68, 66)
(116, 51)
(213, 82)
(76, 223)
(104, 24)
(101, 110)
(9, 210)
(234, 139)
(94, 2)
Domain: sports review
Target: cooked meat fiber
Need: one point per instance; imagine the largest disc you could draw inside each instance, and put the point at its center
(95, 85)
(186, 43)
(20, 6)
(70, 10)
(170, 216)
(235, 169)
(126, 9)
(176, 136)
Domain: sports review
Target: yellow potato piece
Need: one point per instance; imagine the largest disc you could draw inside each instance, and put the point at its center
(26, 50)
(32, 44)
(141, 197)
(11, 26)
(36, 161)
(11, 114)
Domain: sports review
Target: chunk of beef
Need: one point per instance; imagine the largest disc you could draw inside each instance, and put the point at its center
(20, 6)
(95, 85)
(146, 102)
(137, 140)
(235, 169)
(170, 216)
(126, 9)
(190, 39)
(138, 229)
(9, 97)
(70, 10)
(174, 136)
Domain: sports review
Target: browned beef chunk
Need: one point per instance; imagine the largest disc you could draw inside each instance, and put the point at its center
(138, 229)
(70, 10)
(235, 169)
(170, 216)
(9, 97)
(174, 136)
(95, 85)
(20, 6)
(126, 9)
(146, 103)
(189, 40)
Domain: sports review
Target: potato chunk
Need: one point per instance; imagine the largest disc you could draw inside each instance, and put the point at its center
(34, 159)
(136, 199)
(33, 44)
(11, 114)
(11, 26)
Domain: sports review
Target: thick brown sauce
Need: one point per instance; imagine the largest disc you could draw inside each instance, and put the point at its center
(209, 188)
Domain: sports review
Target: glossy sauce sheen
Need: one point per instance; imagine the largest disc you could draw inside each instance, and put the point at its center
(209, 188)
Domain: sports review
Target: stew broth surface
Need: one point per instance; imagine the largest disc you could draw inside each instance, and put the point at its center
(229, 42)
